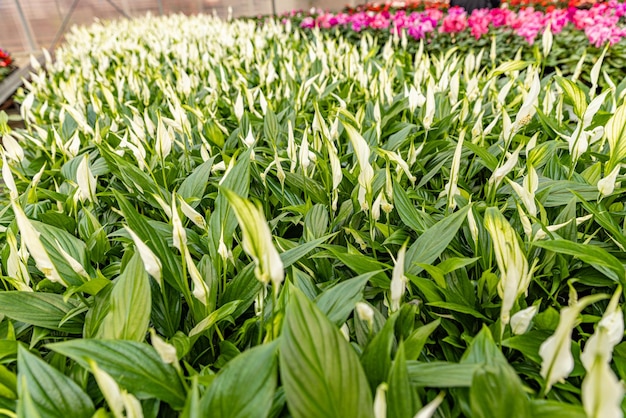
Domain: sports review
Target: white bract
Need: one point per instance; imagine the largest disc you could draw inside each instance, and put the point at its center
(257, 240)
(557, 359)
(515, 274)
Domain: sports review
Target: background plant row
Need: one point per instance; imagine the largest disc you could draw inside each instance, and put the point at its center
(197, 203)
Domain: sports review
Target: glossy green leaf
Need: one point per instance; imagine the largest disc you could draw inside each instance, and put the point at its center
(134, 366)
(52, 393)
(46, 310)
(130, 304)
(320, 371)
(227, 397)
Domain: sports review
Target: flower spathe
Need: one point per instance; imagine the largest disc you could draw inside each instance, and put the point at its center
(257, 240)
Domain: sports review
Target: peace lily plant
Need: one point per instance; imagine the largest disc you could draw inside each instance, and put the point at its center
(196, 207)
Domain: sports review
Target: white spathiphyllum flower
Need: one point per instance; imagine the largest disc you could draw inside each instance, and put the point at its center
(366, 174)
(35, 247)
(7, 177)
(398, 281)
(335, 168)
(380, 401)
(238, 107)
(473, 226)
(150, 261)
(292, 150)
(192, 214)
(602, 393)
(504, 169)
(110, 390)
(262, 102)
(593, 108)
(166, 351)
(520, 321)
(365, 313)
(527, 197)
(546, 41)
(514, 272)
(179, 235)
(200, 290)
(376, 206)
(303, 156)
(86, 180)
(257, 240)
(76, 266)
(607, 184)
(451, 187)
(416, 99)
(13, 149)
(16, 264)
(132, 406)
(429, 409)
(164, 140)
(429, 110)
(249, 139)
(222, 250)
(611, 326)
(556, 355)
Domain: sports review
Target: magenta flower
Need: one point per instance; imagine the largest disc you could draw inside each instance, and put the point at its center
(479, 22)
(455, 21)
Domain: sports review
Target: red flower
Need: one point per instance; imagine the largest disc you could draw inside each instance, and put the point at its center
(5, 58)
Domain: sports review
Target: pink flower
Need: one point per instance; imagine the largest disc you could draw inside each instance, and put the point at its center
(308, 22)
(479, 22)
(455, 21)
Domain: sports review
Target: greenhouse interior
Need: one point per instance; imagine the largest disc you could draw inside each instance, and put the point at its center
(312, 209)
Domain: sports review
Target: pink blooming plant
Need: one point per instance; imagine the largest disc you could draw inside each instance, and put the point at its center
(602, 23)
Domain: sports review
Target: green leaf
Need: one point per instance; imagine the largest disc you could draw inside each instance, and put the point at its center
(194, 185)
(319, 369)
(46, 310)
(132, 177)
(134, 366)
(429, 246)
(362, 264)
(294, 254)
(223, 221)
(593, 255)
(483, 349)
(129, 314)
(605, 219)
(26, 407)
(376, 358)
(409, 215)
(227, 397)
(172, 269)
(455, 307)
(497, 392)
(417, 340)
(441, 374)
(214, 317)
(192, 405)
(541, 408)
(338, 301)
(402, 399)
(53, 237)
(52, 393)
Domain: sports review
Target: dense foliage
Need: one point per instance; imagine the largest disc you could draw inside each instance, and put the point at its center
(518, 33)
(211, 216)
